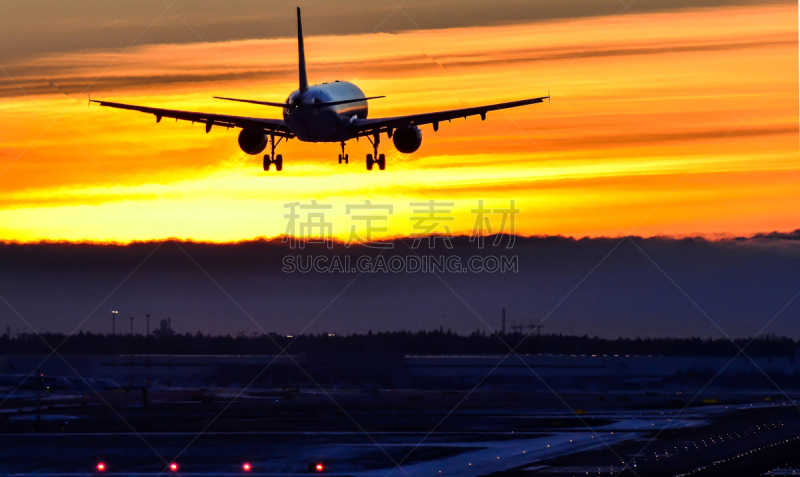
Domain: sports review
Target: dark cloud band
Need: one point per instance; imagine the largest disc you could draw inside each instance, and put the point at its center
(34, 27)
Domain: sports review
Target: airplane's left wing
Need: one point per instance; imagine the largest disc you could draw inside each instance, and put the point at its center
(368, 127)
(271, 126)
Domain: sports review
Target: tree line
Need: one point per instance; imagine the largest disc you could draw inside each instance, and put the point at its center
(436, 342)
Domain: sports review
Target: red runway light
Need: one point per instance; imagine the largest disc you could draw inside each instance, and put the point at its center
(173, 467)
(101, 467)
(319, 467)
(246, 467)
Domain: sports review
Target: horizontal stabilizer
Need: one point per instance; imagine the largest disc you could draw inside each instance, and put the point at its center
(344, 101)
(262, 103)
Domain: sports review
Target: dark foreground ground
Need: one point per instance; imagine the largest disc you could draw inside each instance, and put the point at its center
(382, 433)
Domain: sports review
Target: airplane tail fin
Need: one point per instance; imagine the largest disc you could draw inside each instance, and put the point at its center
(301, 53)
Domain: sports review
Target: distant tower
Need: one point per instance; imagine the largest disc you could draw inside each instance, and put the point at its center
(504, 321)
(147, 316)
(114, 322)
(131, 326)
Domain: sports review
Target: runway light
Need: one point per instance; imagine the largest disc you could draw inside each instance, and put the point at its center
(246, 467)
(101, 467)
(173, 467)
(319, 467)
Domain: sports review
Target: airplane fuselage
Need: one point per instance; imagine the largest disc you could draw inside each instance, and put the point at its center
(327, 123)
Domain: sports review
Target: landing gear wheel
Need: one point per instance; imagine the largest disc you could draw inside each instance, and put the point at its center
(272, 158)
(373, 158)
(343, 157)
(347, 158)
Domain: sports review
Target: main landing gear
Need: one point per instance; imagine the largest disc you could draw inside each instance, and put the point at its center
(376, 158)
(343, 157)
(272, 158)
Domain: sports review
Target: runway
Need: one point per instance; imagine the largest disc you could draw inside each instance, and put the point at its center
(369, 434)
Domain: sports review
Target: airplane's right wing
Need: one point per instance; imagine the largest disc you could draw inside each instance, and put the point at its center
(369, 127)
(270, 126)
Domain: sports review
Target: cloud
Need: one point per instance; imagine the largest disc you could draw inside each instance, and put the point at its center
(739, 284)
(34, 27)
(46, 77)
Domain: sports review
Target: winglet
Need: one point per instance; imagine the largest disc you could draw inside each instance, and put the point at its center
(301, 55)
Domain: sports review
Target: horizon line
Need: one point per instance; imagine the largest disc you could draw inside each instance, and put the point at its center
(709, 237)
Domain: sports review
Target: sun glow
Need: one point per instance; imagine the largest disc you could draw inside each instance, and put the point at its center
(668, 123)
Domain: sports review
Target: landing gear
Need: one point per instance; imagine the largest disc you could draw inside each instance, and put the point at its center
(381, 161)
(343, 157)
(375, 158)
(278, 161)
(272, 158)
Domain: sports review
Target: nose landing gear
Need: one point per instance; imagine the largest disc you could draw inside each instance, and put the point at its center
(380, 159)
(343, 157)
(272, 158)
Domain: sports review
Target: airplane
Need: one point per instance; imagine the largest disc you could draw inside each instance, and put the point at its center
(328, 112)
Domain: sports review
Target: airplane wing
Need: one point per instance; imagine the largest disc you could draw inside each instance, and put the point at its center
(271, 126)
(368, 127)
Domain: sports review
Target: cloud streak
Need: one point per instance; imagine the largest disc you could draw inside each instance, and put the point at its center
(41, 26)
(67, 79)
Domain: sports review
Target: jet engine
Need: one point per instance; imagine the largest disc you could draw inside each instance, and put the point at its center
(252, 141)
(408, 139)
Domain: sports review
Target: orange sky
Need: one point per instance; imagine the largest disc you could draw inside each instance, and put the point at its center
(664, 123)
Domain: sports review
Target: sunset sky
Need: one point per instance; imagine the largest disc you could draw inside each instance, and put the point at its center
(675, 121)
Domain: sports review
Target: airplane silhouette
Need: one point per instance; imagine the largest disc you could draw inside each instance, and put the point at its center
(327, 112)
